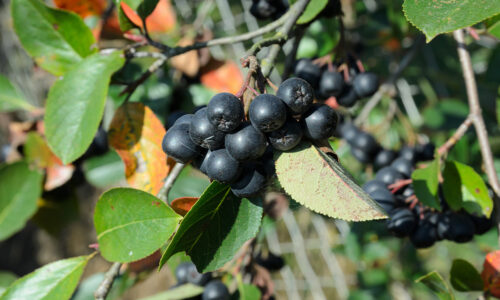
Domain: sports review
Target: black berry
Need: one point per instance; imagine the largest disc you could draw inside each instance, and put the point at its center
(365, 142)
(403, 166)
(408, 153)
(319, 122)
(308, 71)
(225, 111)
(204, 133)
(402, 222)
(331, 84)
(348, 97)
(374, 185)
(215, 290)
(349, 132)
(365, 84)
(222, 167)
(287, 137)
(173, 117)
(183, 271)
(246, 143)
(388, 175)
(361, 155)
(250, 183)
(297, 94)
(425, 235)
(384, 198)
(178, 145)
(384, 158)
(267, 112)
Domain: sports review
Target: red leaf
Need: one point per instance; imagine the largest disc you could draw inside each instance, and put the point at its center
(136, 135)
(183, 205)
(491, 273)
(222, 77)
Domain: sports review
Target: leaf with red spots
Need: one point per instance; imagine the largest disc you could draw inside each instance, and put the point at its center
(222, 76)
(183, 205)
(321, 184)
(464, 188)
(136, 135)
(491, 273)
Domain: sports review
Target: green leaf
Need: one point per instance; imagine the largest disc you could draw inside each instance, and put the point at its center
(6, 279)
(132, 224)
(493, 25)
(10, 97)
(464, 277)
(462, 185)
(143, 7)
(425, 182)
(320, 183)
(56, 39)
(20, 188)
(57, 280)
(434, 17)
(104, 170)
(215, 228)
(125, 23)
(313, 9)
(436, 283)
(248, 291)
(185, 291)
(75, 105)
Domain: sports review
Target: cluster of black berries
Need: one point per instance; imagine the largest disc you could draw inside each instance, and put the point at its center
(330, 83)
(268, 9)
(214, 288)
(423, 225)
(220, 143)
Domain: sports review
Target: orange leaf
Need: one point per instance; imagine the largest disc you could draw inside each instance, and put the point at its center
(162, 19)
(136, 135)
(491, 273)
(188, 63)
(58, 175)
(222, 77)
(83, 8)
(183, 205)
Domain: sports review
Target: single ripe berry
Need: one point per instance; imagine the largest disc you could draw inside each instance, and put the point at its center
(222, 167)
(319, 122)
(348, 97)
(425, 235)
(225, 112)
(331, 84)
(408, 153)
(203, 162)
(287, 137)
(403, 166)
(388, 175)
(184, 119)
(365, 84)
(215, 290)
(481, 224)
(365, 142)
(178, 145)
(402, 222)
(183, 271)
(349, 132)
(308, 71)
(456, 227)
(374, 185)
(262, 9)
(425, 152)
(384, 158)
(250, 183)
(297, 94)
(267, 112)
(360, 155)
(173, 117)
(384, 198)
(204, 133)
(272, 262)
(246, 143)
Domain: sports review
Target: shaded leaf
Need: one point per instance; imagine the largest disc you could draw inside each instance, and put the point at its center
(436, 283)
(104, 170)
(313, 9)
(434, 17)
(425, 182)
(11, 98)
(463, 187)
(55, 212)
(184, 291)
(6, 278)
(136, 134)
(320, 183)
(464, 277)
(56, 280)
(491, 273)
(161, 19)
(215, 228)
(183, 205)
(56, 39)
(75, 105)
(132, 224)
(222, 77)
(20, 188)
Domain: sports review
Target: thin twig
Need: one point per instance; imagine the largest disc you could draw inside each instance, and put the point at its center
(105, 286)
(169, 181)
(295, 12)
(477, 118)
(389, 85)
(461, 130)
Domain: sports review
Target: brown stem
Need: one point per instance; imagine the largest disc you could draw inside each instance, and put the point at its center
(105, 286)
(477, 118)
(169, 181)
(461, 130)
